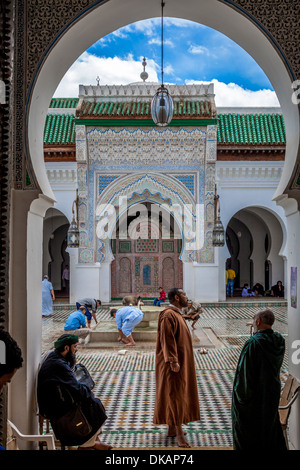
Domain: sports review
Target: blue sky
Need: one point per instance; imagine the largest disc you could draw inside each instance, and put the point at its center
(192, 53)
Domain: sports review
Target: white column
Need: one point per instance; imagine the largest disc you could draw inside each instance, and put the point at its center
(188, 280)
(105, 282)
(73, 254)
(222, 254)
(25, 312)
(293, 261)
(88, 279)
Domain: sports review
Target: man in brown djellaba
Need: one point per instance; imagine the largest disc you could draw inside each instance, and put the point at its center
(176, 400)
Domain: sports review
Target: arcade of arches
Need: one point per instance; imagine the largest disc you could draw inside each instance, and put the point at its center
(40, 40)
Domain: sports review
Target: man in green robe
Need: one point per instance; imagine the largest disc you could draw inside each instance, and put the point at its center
(257, 388)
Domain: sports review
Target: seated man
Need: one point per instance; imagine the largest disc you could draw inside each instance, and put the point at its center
(76, 325)
(127, 318)
(92, 304)
(192, 312)
(246, 292)
(258, 290)
(161, 298)
(58, 390)
(277, 290)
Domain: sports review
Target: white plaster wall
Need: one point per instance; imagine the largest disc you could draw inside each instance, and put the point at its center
(63, 180)
(245, 184)
(188, 280)
(88, 280)
(206, 283)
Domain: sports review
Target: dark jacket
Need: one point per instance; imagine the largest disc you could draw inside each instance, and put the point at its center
(58, 389)
(256, 394)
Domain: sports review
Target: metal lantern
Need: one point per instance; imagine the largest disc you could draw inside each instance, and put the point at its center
(162, 103)
(162, 107)
(73, 235)
(218, 234)
(73, 232)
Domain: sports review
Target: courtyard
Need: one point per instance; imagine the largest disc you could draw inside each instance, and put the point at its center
(125, 378)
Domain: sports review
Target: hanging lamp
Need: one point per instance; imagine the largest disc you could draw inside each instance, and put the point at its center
(73, 236)
(218, 234)
(162, 103)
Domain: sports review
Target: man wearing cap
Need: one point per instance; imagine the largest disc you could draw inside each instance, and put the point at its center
(58, 390)
(92, 304)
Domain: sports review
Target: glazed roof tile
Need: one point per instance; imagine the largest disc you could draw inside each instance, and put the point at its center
(141, 109)
(251, 129)
(63, 103)
(59, 129)
(241, 129)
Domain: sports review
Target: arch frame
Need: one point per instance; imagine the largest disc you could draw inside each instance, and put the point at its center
(146, 187)
(271, 217)
(35, 105)
(231, 19)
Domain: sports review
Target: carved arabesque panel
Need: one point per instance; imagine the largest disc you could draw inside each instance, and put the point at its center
(280, 18)
(46, 20)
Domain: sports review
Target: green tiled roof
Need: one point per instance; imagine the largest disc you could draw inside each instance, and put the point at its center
(140, 109)
(240, 129)
(63, 103)
(59, 129)
(251, 129)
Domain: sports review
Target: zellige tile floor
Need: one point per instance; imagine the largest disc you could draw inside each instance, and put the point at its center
(125, 383)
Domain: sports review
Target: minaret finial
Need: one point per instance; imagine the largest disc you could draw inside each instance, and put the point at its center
(144, 74)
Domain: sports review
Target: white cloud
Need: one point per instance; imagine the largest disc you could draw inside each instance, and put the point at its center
(111, 70)
(198, 50)
(231, 94)
(149, 26)
(181, 23)
(167, 42)
(114, 70)
(168, 69)
(146, 26)
(121, 33)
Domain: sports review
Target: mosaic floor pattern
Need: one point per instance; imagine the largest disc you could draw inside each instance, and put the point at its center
(126, 383)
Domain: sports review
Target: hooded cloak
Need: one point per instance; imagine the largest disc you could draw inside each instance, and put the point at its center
(256, 394)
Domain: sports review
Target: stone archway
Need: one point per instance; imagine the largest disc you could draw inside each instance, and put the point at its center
(149, 257)
(162, 190)
(51, 33)
(100, 18)
(260, 236)
(55, 257)
(164, 195)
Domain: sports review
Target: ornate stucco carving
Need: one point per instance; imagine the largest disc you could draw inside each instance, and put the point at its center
(150, 146)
